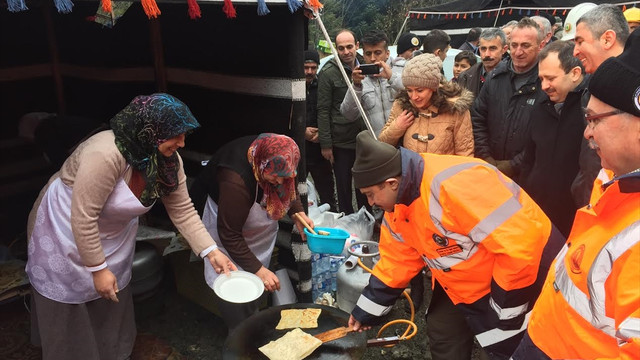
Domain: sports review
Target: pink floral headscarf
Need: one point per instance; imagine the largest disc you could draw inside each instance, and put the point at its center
(276, 155)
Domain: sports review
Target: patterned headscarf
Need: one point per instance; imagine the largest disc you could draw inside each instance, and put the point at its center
(145, 123)
(277, 155)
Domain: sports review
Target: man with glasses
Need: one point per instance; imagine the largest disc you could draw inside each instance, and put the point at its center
(590, 304)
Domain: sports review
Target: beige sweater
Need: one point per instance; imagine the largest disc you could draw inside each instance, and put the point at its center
(92, 171)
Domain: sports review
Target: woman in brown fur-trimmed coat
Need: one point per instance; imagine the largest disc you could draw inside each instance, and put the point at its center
(432, 115)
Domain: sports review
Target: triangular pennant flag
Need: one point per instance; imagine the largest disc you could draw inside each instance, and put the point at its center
(294, 5)
(315, 4)
(228, 9)
(16, 5)
(150, 8)
(262, 8)
(63, 6)
(194, 9)
(106, 6)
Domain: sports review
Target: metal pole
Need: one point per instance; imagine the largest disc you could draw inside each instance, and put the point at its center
(498, 15)
(395, 42)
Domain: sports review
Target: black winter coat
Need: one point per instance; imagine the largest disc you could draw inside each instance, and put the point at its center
(550, 160)
(501, 113)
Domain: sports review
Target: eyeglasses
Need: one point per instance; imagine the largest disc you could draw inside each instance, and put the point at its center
(593, 119)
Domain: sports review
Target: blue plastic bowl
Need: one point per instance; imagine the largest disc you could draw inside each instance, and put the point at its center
(327, 244)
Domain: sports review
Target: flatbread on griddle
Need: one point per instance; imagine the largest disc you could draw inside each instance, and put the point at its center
(294, 345)
(298, 318)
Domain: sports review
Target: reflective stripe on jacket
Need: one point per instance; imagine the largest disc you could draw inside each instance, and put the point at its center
(481, 235)
(590, 304)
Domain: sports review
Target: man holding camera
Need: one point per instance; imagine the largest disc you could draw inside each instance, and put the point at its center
(375, 83)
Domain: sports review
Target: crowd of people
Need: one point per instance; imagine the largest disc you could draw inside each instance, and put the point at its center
(516, 184)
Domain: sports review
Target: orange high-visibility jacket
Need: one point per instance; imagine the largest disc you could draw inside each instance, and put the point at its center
(590, 305)
(480, 234)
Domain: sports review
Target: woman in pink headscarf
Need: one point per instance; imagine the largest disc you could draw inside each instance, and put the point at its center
(247, 186)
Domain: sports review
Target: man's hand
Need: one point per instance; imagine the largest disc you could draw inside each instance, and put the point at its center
(106, 284)
(386, 70)
(505, 167)
(356, 76)
(311, 134)
(404, 120)
(328, 154)
(269, 279)
(490, 160)
(356, 325)
(220, 262)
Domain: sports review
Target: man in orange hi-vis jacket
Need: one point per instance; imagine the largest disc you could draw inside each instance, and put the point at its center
(487, 243)
(590, 304)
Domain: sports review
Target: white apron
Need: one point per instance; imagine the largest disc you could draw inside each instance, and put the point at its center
(54, 265)
(259, 232)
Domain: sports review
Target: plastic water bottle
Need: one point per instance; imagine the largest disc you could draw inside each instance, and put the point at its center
(334, 277)
(326, 263)
(315, 264)
(321, 285)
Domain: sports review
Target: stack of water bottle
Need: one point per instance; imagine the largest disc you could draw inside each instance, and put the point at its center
(324, 274)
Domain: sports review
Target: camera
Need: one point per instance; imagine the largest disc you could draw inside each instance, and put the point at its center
(369, 69)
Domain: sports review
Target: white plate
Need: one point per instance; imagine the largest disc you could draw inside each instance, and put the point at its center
(238, 287)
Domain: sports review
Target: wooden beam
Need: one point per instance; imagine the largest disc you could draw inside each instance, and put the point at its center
(155, 35)
(55, 57)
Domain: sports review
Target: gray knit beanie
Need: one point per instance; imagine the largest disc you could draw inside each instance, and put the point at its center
(376, 161)
(423, 71)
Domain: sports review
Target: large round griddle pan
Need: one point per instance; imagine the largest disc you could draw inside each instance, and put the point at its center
(243, 342)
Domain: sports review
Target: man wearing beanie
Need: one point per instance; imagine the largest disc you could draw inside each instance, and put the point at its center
(503, 109)
(485, 240)
(407, 44)
(590, 304)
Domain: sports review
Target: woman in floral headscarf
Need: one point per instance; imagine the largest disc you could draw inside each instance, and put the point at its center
(247, 186)
(82, 229)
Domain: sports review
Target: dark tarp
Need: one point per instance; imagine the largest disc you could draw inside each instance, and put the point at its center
(456, 18)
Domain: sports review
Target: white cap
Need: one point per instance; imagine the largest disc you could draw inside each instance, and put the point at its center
(574, 15)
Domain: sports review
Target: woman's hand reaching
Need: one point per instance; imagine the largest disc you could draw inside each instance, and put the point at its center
(220, 262)
(106, 284)
(269, 279)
